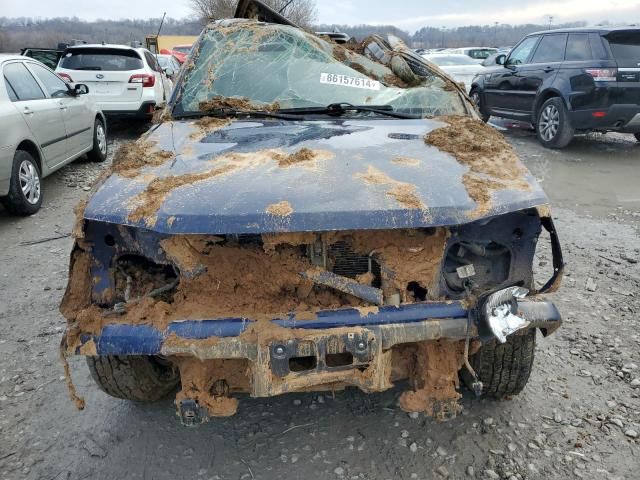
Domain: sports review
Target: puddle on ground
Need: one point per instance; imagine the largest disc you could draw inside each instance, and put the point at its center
(595, 175)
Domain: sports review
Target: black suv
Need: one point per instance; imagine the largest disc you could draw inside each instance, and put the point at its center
(566, 81)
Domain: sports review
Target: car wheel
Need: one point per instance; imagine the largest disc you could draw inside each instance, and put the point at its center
(477, 101)
(553, 127)
(503, 368)
(136, 378)
(99, 151)
(25, 186)
(637, 135)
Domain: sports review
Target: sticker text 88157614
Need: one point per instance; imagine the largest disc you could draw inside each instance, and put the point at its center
(346, 81)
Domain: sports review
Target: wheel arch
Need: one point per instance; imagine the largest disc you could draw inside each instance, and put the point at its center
(100, 116)
(30, 147)
(543, 97)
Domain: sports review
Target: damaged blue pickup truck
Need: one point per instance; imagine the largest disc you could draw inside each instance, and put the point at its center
(310, 216)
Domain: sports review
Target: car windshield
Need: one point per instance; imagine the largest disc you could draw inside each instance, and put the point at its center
(276, 65)
(107, 59)
(451, 60)
(183, 49)
(163, 60)
(481, 53)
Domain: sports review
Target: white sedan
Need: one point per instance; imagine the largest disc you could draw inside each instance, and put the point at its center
(45, 124)
(459, 67)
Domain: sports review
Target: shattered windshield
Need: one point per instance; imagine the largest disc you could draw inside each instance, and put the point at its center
(275, 67)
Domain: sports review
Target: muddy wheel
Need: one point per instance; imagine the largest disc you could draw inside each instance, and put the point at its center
(503, 369)
(477, 100)
(25, 189)
(553, 126)
(141, 379)
(99, 151)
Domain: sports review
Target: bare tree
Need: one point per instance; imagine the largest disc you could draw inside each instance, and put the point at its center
(301, 12)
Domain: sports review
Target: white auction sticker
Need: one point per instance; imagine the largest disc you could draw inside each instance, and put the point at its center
(346, 81)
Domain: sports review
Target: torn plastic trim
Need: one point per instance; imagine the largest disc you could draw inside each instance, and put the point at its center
(558, 261)
(496, 307)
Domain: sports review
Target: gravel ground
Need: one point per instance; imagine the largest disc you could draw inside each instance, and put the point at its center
(579, 417)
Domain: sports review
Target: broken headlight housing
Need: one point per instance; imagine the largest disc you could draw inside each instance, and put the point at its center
(491, 254)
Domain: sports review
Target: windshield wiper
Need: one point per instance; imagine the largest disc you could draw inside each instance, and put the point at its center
(226, 112)
(342, 108)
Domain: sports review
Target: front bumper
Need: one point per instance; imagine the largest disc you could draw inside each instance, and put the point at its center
(379, 331)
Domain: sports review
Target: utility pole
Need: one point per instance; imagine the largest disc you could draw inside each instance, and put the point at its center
(495, 34)
(550, 21)
(444, 29)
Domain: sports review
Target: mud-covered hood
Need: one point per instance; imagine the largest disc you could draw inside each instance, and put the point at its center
(331, 193)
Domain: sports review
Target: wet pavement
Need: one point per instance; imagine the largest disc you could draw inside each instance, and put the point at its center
(579, 417)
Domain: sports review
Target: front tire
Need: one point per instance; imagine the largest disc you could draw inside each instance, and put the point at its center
(503, 369)
(477, 101)
(135, 378)
(99, 151)
(553, 126)
(25, 186)
(637, 135)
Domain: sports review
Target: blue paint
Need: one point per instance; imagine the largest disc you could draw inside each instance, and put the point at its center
(334, 196)
(146, 340)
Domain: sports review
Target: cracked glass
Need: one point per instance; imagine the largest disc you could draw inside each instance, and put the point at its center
(284, 67)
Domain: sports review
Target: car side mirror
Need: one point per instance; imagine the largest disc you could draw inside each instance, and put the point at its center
(80, 89)
(169, 72)
(501, 59)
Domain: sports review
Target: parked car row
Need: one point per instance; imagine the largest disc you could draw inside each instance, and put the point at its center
(46, 123)
(48, 119)
(566, 82)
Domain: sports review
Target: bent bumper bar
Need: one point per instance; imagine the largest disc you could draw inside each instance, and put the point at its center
(210, 339)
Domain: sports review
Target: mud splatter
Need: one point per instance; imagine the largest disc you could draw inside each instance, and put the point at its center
(493, 164)
(406, 161)
(304, 155)
(241, 104)
(146, 204)
(208, 125)
(150, 200)
(404, 193)
(132, 157)
(209, 383)
(436, 366)
(281, 209)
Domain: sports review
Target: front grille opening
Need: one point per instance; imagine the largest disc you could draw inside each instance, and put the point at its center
(303, 364)
(137, 277)
(418, 292)
(345, 262)
(334, 360)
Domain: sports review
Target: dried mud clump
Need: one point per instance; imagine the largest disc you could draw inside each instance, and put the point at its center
(134, 156)
(435, 372)
(241, 104)
(208, 383)
(281, 209)
(493, 164)
(404, 193)
(304, 155)
(392, 80)
(208, 125)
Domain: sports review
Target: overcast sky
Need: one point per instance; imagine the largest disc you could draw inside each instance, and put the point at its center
(406, 14)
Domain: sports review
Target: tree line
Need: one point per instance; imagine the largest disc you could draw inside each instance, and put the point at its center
(16, 33)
